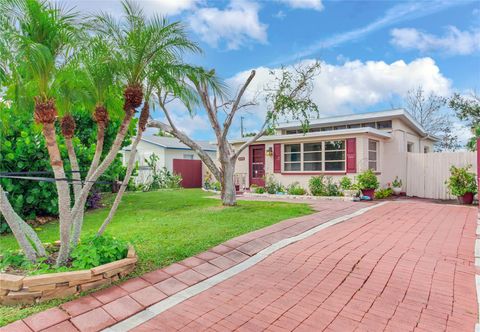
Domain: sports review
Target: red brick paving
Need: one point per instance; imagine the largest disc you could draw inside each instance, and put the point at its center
(400, 267)
(397, 267)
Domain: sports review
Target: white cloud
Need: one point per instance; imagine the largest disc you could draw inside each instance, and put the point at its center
(355, 85)
(237, 24)
(454, 41)
(169, 7)
(304, 4)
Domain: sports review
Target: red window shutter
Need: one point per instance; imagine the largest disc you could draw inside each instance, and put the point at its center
(277, 158)
(351, 155)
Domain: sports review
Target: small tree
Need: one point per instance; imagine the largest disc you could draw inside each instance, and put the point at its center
(287, 96)
(467, 109)
(429, 111)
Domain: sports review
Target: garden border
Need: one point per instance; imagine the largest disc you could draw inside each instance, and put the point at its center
(15, 289)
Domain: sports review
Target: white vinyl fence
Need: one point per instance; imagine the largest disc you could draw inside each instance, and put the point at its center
(427, 172)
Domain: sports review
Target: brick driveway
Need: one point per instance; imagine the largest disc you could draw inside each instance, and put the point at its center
(402, 266)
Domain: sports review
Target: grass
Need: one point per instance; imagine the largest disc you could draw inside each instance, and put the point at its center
(165, 227)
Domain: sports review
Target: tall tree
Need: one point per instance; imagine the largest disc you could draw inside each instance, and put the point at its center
(288, 95)
(429, 110)
(467, 108)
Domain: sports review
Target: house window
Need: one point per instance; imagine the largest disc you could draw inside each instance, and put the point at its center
(292, 157)
(326, 156)
(312, 156)
(188, 156)
(334, 155)
(372, 154)
(369, 124)
(384, 124)
(409, 147)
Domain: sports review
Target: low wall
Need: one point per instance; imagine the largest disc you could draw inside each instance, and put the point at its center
(16, 289)
(301, 197)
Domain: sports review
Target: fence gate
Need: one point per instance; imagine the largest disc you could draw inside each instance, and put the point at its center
(190, 170)
(427, 172)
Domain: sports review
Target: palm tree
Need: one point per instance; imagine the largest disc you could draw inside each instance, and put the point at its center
(44, 35)
(137, 42)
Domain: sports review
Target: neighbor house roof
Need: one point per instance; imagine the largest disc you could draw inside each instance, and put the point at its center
(361, 117)
(174, 143)
(339, 132)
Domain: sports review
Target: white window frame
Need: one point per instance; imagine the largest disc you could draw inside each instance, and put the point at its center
(377, 151)
(323, 161)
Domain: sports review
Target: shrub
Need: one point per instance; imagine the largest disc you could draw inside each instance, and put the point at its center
(295, 189)
(346, 183)
(217, 186)
(461, 181)
(367, 180)
(98, 250)
(323, 186)
(272, 186)
(397, 183)
(256, 189)
(160, 179)
(383, 193)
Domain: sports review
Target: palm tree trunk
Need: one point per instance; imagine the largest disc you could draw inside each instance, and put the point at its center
(118, 198)
(72, 156)
(62, 189)
(78, 221)
(117, 144)
(15, 223)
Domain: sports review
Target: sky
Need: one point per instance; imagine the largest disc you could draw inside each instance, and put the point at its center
(371, 52)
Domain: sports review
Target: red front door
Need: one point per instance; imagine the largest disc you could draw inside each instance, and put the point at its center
(257, 165)
(190, 170)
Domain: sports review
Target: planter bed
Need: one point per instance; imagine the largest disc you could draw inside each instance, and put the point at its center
(305, 197)
(15, 289)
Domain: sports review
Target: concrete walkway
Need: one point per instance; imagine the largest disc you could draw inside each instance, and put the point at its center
(399, 267)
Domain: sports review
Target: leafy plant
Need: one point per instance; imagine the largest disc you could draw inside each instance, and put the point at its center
(346, 183)
(367, 180)
(295, 189)
(383, 193)
(160, 179)
(272, 186)
(217, 186)
(461, 181)
(397, 183)
(98, 250)
(323, 186)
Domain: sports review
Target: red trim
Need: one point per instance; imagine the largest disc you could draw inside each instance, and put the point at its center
(277, 158)
(351, 155)
(478, 164)
(314, 173)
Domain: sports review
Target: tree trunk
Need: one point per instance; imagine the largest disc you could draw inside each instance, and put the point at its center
(228, 183)
(78, 220)
(62, 189)
(117, 143)
(15, 223)
(118, 198)
(77, 179)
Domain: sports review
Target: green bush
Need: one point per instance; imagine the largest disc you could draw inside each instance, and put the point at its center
(23, 150)
(461, 181)
(97, 250)
(217, 186)
(323, 186)
(367, 180)
(160, 179)
(346, 183)
(383, 193)
(295, 189)
(272, 186)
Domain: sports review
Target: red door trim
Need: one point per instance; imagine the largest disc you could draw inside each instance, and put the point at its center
(251, 180)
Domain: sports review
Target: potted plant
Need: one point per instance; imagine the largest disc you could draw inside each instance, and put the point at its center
(367, 182)
(397, 186)
(462, 184)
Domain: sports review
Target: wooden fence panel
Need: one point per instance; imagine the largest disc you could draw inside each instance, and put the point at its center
(427, 172)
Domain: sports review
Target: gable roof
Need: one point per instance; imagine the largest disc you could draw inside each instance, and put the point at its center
(361, 117)
(174, 143)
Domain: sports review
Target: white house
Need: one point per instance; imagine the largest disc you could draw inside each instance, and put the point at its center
(335, 146)
(172, 154)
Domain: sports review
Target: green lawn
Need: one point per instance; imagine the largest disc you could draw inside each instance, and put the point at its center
(165, 227)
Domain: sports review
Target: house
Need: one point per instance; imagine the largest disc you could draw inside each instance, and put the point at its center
(172, 154)
(335, 146)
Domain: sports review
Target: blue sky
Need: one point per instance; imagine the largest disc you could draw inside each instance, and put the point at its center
(372, 52)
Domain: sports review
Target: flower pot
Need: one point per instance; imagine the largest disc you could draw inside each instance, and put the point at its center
(397, 190)
(368, 192)
(467, 198)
